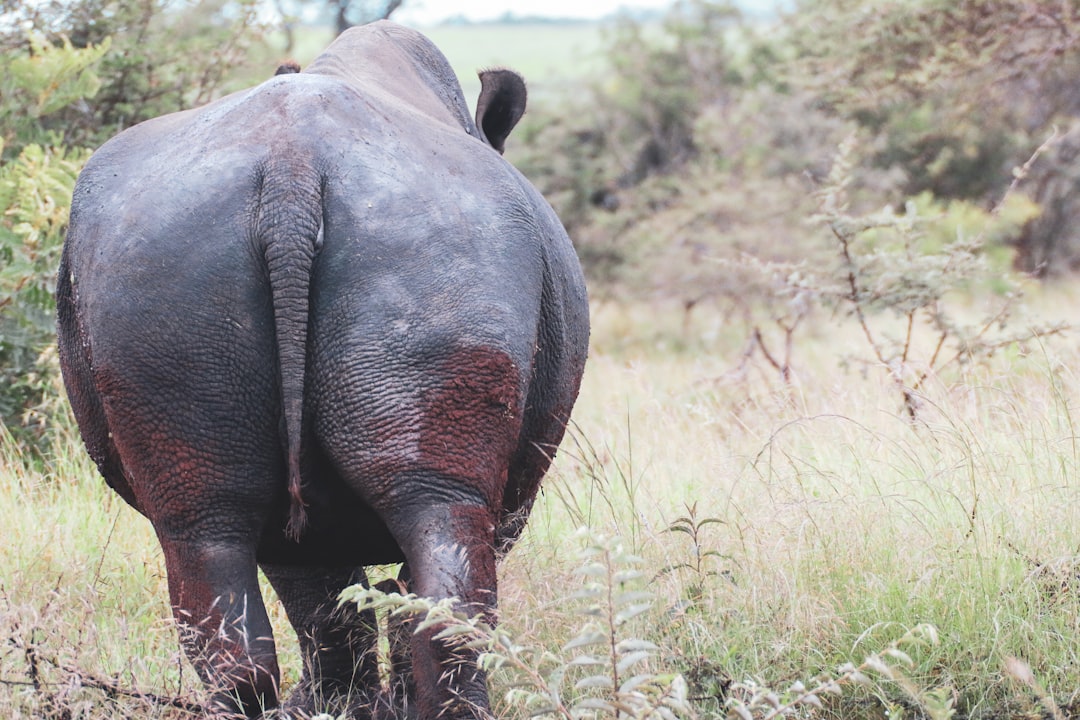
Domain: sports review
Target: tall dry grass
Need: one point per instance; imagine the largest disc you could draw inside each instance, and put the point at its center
(787, 528)
(829, 524)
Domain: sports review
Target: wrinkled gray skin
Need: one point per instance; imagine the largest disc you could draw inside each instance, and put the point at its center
(317, 325)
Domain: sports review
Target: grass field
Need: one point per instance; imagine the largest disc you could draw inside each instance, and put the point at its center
(785, 530)
(548, 55)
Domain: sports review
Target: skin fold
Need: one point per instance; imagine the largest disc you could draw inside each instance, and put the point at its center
(317, 325)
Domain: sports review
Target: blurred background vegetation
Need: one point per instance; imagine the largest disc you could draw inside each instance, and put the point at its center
(688, 155)
(812, 404)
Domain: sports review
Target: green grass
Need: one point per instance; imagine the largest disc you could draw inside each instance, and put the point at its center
(828, 525)
(548, 55)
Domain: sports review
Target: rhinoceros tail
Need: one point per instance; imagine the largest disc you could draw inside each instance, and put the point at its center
(290, 229)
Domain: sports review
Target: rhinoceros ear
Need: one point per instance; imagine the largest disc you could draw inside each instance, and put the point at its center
(500, 106)
(288, 67)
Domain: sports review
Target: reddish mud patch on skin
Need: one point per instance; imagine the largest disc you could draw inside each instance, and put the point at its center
(471, 422)
(162, 472)
(179, 495)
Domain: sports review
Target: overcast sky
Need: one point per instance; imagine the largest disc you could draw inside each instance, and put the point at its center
(425, 12)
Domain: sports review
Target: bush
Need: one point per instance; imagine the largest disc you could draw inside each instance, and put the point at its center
(955, 94)
(42, 80)
(36, 181)
(706, 136)
(77, 73)
(35, 193)
(161, 57)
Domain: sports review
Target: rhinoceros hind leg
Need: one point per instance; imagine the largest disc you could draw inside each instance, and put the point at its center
(223, 623)
(338, 643)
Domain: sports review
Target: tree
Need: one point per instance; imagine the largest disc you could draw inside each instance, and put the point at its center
(344, 13)
(958, 94)
(348, 13)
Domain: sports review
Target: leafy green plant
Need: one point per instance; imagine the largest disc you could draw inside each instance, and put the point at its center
(608, 669)
(154, 57)
(703, 560)
(42, 79)
(605, 670)
(35, 196)
(751, 701)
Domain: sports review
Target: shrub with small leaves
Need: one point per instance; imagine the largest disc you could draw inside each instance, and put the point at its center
(36, 181)
(605, 671)
(702, 563)
(751, 701)
(75, 73)
(39, 80)
(909, 266)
